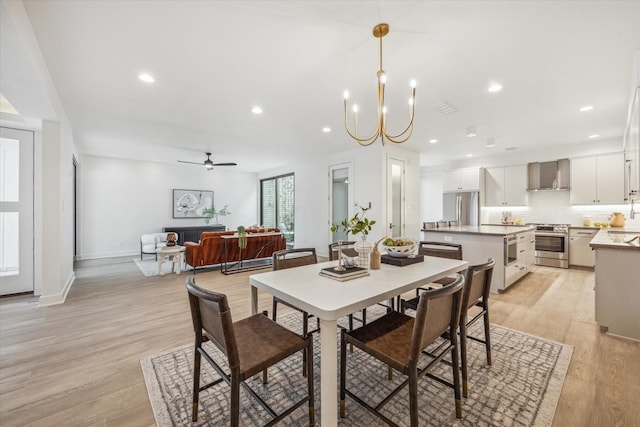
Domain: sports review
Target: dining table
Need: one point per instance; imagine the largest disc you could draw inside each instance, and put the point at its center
(330, 299)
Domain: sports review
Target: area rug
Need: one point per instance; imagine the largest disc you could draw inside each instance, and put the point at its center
(520, 388)
(149, 267)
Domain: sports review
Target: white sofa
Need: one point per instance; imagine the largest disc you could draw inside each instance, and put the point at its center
(150, 243)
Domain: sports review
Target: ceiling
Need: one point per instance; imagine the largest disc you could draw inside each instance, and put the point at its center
(214, 60)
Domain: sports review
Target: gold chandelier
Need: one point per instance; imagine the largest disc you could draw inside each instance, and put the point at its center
(379, 31)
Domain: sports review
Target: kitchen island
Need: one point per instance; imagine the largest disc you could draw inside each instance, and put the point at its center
(618, 281)
(513, 248)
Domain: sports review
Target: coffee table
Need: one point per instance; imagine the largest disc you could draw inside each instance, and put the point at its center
(174, 254)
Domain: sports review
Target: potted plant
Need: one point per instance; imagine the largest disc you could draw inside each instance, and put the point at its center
(359, 224)
(213, 213)
(242, 237)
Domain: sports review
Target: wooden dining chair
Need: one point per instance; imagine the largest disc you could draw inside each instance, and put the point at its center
(476, 290)
(249, 346)
(437, 249)
(475, 294)
(398, 340)
(289, 258)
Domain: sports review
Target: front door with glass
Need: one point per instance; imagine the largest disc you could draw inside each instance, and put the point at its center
(16, 211)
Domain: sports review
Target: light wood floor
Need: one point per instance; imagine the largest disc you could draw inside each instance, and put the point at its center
(78, 364)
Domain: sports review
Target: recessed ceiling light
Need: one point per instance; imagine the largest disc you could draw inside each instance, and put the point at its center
(595, 135)
(147, 78)
(471, 131)
(469, 155)
(326, 129)
(586, 108)
(433, 141)
(495, 87)
(256, 110)
(490, 143)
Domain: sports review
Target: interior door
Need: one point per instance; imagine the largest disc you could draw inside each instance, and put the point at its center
(340, 197)
(395, 197)
(16, 211)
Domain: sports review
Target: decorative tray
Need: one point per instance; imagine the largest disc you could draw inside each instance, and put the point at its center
(401, 262)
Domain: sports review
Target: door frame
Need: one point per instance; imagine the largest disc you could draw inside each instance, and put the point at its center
(392, 161)
(350, 193)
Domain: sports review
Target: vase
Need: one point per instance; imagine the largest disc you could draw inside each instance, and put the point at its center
(616, 219)
(364, 249)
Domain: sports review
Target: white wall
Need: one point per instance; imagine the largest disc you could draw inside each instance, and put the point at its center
(369, 163)
(431, 185)
(122, 199)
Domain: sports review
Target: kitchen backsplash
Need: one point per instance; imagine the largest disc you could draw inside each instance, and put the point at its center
(553, 207)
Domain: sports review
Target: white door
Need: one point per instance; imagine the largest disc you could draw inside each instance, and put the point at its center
(16, 211)
(340, 197)
(395, 197)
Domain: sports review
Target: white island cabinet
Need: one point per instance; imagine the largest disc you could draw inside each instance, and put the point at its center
(618, 282)
(481, 242)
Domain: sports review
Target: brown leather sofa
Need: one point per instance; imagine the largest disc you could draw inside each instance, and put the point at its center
(210, 250)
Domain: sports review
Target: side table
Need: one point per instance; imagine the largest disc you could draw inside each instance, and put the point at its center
(174, 254)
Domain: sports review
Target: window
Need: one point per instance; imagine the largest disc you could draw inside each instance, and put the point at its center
(277, 202)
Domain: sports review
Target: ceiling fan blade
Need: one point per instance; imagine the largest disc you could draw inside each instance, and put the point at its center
(225, 164)
(193, 163)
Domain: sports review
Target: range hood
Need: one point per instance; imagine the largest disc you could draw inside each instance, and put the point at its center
(548, 175)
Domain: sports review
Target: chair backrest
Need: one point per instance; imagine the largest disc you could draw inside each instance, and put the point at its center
(211, 314)
(438, 311)
(347, 249)
(289, 258)
(440, 249)
(477, 283)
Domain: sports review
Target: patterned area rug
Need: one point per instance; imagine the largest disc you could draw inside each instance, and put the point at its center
(149, 267)
(520, 388)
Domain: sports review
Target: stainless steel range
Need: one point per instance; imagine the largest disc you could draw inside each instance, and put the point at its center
(552, 245)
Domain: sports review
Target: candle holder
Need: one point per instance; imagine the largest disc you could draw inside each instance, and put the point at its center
(340, 267)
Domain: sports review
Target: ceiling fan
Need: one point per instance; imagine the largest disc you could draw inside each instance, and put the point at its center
(208, 163)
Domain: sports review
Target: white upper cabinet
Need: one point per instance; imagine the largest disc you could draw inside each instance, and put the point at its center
(462, 180)
(598, 180)
(506, 186)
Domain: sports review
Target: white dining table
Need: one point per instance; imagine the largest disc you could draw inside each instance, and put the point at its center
(329, 299)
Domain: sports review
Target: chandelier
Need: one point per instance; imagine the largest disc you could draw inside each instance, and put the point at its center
(379, 31)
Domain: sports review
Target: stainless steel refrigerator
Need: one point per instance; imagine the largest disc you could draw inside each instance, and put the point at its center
(463, 207)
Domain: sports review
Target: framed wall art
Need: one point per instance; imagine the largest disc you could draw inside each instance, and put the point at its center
(191, 203)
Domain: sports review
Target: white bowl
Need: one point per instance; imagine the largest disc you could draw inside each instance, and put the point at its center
(401, 251)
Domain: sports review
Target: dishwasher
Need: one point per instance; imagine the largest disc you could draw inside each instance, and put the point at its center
(580, 253)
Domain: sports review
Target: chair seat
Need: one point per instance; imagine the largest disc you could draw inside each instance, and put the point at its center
(276, 343)
(149, 248)
(387, 338)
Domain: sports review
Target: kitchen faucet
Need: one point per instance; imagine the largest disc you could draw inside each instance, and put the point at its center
(632, 214)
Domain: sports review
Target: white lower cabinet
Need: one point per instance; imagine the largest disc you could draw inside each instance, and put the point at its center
(580, 253)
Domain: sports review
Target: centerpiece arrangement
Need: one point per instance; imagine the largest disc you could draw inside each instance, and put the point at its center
(360, 225)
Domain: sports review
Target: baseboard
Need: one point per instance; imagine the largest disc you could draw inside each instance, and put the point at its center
(60, 298)
(128, 254)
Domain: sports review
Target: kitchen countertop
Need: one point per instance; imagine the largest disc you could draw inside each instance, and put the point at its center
(614, 238)
(491, 230)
